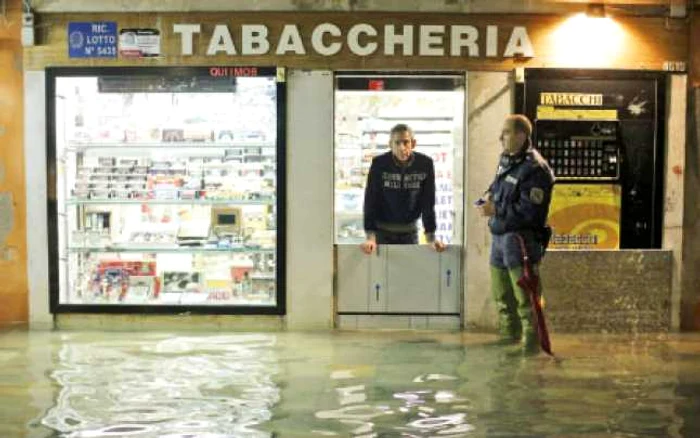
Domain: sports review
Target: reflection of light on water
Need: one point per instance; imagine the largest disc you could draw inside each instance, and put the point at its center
(343, 374)
(428, 416)
(198, 435)
(352, 394)
(432, 377)
(113, 431)
(217, 386)
(631, 386)
(324, 432)
(438, 422)
(358, 412)
(357, 415)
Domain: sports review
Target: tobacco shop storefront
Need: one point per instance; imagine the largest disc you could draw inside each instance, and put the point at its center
(209, 168)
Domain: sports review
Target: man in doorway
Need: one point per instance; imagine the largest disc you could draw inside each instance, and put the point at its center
(517, 205)
(400, 189)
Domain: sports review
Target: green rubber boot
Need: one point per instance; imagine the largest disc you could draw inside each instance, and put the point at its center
(506, 305)
(529, 341)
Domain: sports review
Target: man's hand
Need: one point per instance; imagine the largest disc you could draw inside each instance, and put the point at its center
(438, 246)
(369, 246)
(487, 209)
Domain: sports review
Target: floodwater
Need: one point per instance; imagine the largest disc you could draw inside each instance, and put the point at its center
(345, 384)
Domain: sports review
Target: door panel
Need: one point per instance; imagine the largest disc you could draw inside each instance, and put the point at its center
(413, 279)
(450, 280)
(378, 280)
(353, 279)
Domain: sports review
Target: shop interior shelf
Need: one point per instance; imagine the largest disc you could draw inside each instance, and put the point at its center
(408, 117)
(167, 249)
(348, 213)
(173, 145)
(77, 201)
(415, 131)
(356, 147)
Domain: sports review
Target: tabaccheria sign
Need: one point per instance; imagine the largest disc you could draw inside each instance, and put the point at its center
(362, 39)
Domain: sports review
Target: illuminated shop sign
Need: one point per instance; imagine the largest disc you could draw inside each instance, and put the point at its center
(360, 39)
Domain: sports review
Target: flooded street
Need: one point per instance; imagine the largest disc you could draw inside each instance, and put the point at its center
(345, 384)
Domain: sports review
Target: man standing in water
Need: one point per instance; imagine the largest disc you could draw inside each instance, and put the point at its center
(400, 189)
(517, 205)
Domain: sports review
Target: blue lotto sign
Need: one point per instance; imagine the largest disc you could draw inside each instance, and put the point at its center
(92, 40)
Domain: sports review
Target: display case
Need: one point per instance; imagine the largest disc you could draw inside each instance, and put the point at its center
(166, 189)
(367, 106)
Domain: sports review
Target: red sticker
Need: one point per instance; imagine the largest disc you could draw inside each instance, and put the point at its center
(376, 84)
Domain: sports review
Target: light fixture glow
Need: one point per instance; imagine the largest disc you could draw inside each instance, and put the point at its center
(582, 41)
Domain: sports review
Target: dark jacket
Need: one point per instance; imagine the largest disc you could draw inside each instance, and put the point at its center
(521, 193)
(396, 196)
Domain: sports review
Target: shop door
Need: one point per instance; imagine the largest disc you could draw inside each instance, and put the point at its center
(367, 106)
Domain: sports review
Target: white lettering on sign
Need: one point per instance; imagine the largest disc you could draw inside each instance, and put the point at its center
(361, 39)
(431, 39)
(354, 39)
(186, 30)
(317, 39)
(101, 39)
(290, 41)
(464, 36)
(221, 41)
(519, 44)
(491, 41)
(404, 39)
(254, 40)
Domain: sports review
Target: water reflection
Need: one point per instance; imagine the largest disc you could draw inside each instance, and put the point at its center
(215, 386)
(601, 387)
(363, 385)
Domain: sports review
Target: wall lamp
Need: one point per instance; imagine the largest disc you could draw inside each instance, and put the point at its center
(595, 10)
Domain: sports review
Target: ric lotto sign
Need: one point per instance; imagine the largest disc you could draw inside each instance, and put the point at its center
(361, 39)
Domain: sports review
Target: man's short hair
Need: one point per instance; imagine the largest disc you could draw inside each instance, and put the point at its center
(521, 123)
(400, 128)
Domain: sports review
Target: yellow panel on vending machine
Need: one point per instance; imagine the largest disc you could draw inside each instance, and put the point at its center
(585, 216)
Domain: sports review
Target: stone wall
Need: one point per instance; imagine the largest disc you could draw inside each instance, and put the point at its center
(608, 291)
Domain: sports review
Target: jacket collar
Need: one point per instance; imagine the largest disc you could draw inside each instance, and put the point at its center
(508, 161)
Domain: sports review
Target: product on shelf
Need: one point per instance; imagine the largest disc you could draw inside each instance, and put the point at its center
(226, 220)
(111, 279)
(181, 281)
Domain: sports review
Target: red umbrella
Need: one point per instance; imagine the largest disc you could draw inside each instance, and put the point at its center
(530, 282)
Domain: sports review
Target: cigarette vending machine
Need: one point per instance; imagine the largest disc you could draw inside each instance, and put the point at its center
(603, 133)
(585, 156)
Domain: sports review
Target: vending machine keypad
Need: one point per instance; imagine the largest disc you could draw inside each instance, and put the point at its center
(580, 150)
